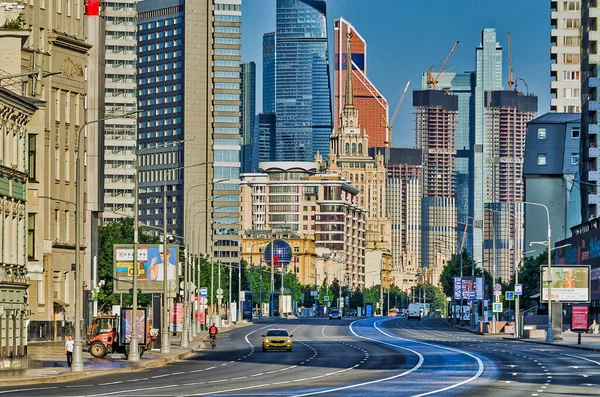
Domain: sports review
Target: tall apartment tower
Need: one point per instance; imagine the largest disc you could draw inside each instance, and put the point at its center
(368, 101)
(463, 86)
(120, 97)
(189, 135)
(403, 190)
(302, 86)
(435, 125)
(247, 112)
(565, 50)
(488, 78)
(507, 115)
(589, 170)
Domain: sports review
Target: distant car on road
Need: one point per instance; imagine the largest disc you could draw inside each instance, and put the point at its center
(335, 314)
(277, 339)
(351, 313)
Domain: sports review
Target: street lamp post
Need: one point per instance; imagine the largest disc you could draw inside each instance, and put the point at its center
(77, 365)
(517, 298)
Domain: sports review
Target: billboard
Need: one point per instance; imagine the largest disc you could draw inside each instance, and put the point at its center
(569, 283)
(579, 318)
(150, 267)
(467, 286)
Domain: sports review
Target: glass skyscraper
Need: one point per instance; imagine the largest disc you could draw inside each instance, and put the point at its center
(247, 112)
(268, 83)
(302, 87)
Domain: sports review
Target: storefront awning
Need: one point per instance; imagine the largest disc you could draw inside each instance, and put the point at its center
(59, 302)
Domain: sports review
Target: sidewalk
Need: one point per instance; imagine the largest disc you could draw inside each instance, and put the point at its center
(569, 338)
(48, 364)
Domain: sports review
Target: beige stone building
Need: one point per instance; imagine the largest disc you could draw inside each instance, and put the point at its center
(349, 157)
(57, 49)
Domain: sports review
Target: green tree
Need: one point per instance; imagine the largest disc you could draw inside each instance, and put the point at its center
(118, 232)
(529, 277)
(14, 24)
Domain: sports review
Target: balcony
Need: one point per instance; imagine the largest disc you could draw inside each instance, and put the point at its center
(593, 198)
(594, 175)
(594, 105)
(594, 152)
(594, 82)
(593, 129)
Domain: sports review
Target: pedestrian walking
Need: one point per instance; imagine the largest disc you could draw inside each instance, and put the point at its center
(69, 350)
(595, 328)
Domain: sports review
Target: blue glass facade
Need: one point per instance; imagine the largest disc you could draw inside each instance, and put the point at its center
(248, 112)
(160, 54)
(263, 144)
(302, 86)
(268, 83)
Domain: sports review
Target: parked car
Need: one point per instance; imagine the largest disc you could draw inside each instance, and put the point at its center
(351, 313)
(335, 314)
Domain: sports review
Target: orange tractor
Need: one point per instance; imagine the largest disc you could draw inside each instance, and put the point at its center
(112, 333)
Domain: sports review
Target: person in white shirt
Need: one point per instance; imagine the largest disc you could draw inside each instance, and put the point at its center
(69, 350)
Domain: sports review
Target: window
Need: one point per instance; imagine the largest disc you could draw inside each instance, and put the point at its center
(31, 156)
(347, 148)
(31, 236)
(571, 92)
(541, 159)
(571, 58)
(571, 75)
(541, 133)
(575, 132)
(360, 148)
(574, 158)
(571, 41)
(57, 163)
(572, 23)
(353, 148)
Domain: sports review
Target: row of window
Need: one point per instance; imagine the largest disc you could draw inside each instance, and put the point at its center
(161, 56)
(160, 89)
(227, 75)
(227, 156)
(160, 100)
(227, 40)
(541, 159)
(575, 131)
(227, 108)
(226, 63)
(160, 122)
(160, 23)
(227, 29)
(160, 133)
(160, 78)
(227, 51)
(226, 119)
(227, 131)
(160, 45)
(228, 18)
(227, 86)
(227, 97)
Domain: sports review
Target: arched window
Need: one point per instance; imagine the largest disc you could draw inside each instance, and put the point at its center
(353, 148)
(347, 148)
(360, 148)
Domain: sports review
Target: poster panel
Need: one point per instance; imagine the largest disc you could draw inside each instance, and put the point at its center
(568, 283)
(150, 267)
(579, 318)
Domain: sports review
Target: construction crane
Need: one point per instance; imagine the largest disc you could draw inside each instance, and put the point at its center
(388, 127)
(431, 81)
(511, 82)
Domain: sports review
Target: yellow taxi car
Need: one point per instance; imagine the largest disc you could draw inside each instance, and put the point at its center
(277, 339)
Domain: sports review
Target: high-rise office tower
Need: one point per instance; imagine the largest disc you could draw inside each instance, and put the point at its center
(302, 87)
(507, 115)
(263, 140)
(435, 125)
(590, 120)
(190, 132)
(565, 50)
(463, 86)
(372, 107)
(268, 82)
(247, 112)
(120, 97)
(488, 78)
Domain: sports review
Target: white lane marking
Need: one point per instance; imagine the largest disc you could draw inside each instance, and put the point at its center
(110, 383)
(159, 376)
(582, 358)
(31, 389)
(132, 390)
(76, 386)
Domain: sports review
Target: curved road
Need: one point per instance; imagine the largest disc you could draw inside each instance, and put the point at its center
(354, 358)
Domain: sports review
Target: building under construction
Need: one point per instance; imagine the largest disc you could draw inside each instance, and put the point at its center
(507, 115)
(435, 127)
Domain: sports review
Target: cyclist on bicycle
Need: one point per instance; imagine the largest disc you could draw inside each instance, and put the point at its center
(212, 332)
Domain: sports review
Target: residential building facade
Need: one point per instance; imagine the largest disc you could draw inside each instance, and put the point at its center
(371, 105)
(550, 171)
(302, 83)
(435, 126)
(120, 97)
(565, 56)
(589, 171)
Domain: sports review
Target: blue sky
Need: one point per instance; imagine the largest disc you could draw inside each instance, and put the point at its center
(405, 37)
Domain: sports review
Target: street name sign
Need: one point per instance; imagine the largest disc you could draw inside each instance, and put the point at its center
(518, 289)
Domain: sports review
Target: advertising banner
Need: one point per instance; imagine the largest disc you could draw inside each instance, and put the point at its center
(177, 317)
(568, 283)
(127, 325)
(466, 286)
(150, 267)
(579, 318)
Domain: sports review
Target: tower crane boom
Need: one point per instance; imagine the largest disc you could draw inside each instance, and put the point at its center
(432, 81)
(388, 127)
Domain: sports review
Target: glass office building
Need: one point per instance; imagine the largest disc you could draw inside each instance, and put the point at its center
(302, 86)
(247, 112)
(268, 82)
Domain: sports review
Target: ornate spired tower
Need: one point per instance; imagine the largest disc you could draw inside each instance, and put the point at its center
(349, 157)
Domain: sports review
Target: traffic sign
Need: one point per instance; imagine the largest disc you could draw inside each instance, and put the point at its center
(219, 291)
(497, 298)
(518, 289)
(314, 293)
(203, 291)
(498, 287)
(471, 294)
(497, 293)
(509, 295)
(497, 308)
(326, 298)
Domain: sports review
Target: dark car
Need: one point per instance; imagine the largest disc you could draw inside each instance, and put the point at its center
(335, 314)
(351, 313)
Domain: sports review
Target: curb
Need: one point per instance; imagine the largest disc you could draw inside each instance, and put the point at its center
(578, 347)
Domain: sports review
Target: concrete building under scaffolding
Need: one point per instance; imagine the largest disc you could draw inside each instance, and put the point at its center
(435, 125)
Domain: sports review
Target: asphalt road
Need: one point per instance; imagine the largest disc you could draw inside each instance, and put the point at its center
(376, 356)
